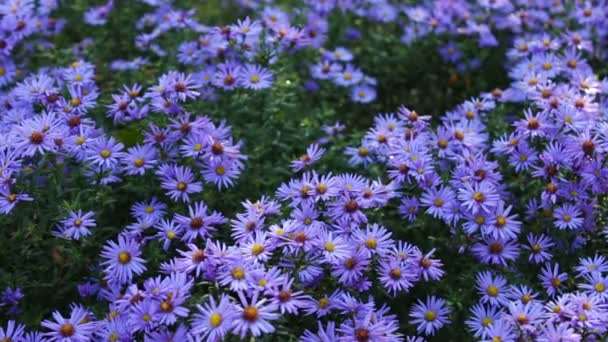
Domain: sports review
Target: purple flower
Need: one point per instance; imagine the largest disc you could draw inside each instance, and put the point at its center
(13, 332)
(495, 251)
(430, 316)
(153, 209)
(396, 276)
(76, 328)
(493, 289)
(350, 268)
(122, 260)
(253, 316)
(198, 223)
(255, 77)
(552, 280)
(481, 319)
(501, 330)
(313, 154)
(538, 247)
(37, 135)
(138, 159)
(179, 182)
(363, 93)
(568, 216)
(227, 75)
(214, 319)
(479, 196)
(105, 153)
(77, 225)
(8, 200)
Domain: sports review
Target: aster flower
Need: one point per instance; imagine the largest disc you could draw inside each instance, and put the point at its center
(168, 231)
(358, 156)
(568, 216)
(312, 155)
(481, 319)
(253, 316)
(105, 152)
(551, 278)
(396, 276)
(596, 284)
(479, 196)
(198, 223)
(323, 334)
(363, 93)
(375, 239)
(9, 199)
(501, 330)
(590, 265)
(523, 315)
(350, 268)
(13, 332)
(255, 77)
(153, 209)
(227, 75)
(428, 268)
(77, 225)
(37, 135)
(559, 332)
(138, 159)
(179, 182)
(538, 247)
(333, 247)
(214, 319)
(493, 289)
(222, 173)
(75, 328)
(436, 200)
(122, 260)
(429, 316)
(143, 316)
(496, 251)
(286, 299)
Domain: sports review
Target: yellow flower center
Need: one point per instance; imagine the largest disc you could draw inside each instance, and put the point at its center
(492, 290)
(105, 153)
(330, 247)
(371, 243)
(486, 321)
(139, 162)
(600, 287)
(430, 316)
(257, 249)
(238, 273)
(124, 257)
(323, 303)
(215, 319)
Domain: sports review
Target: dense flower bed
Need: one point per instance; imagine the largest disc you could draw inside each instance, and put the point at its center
(366, 170)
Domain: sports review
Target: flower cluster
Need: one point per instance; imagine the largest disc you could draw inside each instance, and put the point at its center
(357, 242)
